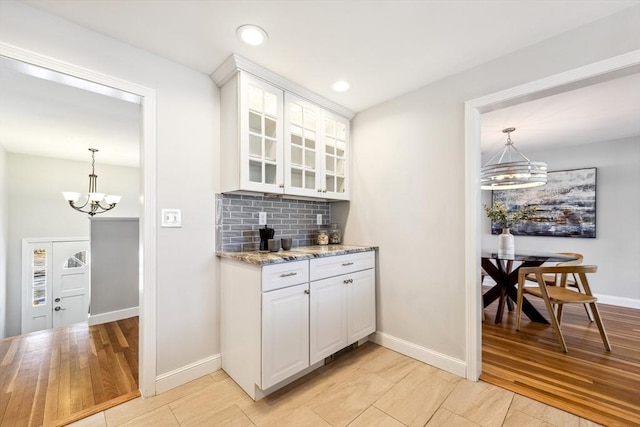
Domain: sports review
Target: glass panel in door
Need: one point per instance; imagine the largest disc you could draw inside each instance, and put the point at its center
(302, 146)
(335, 155)
(263, 135)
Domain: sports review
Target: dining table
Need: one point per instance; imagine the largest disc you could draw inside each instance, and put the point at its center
(503, 269)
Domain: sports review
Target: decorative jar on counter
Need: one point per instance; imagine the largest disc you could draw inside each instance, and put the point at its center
(323, 237)
(335, 234)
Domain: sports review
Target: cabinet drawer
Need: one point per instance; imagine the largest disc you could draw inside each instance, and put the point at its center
(321, 268)
(279, 276)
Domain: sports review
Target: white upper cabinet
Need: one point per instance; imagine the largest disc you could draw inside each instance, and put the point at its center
(335, 150)
(316, 145)
(252, 138)
(279, 138)
(302, 147)
(260, 135)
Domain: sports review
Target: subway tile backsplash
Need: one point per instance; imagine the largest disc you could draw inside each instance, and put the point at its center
(237, 220)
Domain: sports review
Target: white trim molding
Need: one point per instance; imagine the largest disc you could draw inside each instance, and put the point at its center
(236, 62)
(423, 354)
(618, 301)
(190, 372)
(148, 166)
(112, 316)
(615, 67)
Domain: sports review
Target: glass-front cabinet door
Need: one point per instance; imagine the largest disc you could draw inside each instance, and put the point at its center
(302, 148)
(336, 156)
(316, 151)
(261, 136)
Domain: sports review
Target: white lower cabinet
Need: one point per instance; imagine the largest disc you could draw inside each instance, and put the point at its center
(285, 333)
(328, 322)
(276, 325)
(342, 312)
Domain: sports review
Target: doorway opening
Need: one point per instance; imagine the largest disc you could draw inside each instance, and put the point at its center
(147, 249)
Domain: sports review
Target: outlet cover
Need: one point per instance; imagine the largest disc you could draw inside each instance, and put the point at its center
(319, 219)
(262, 218)
(171, 218)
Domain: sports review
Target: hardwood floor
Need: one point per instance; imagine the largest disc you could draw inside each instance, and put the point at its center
(54, 376)
(587, 381)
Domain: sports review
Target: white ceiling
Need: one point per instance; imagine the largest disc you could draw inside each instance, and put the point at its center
(384, 48)
(605, 111)
(43, 117)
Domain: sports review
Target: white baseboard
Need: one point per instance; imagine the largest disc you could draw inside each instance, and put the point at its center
(187, 373)
(602, 299)
(619, 301)
(430, 357)
(112, 316)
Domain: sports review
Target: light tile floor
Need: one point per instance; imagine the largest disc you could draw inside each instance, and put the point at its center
(370, 386)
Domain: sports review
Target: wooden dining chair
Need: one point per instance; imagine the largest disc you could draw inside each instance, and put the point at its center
(552, 279)
(558, 295)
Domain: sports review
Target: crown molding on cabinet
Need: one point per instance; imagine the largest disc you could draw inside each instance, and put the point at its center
(235, 62)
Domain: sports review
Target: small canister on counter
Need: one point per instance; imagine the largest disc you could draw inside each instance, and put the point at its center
(335, 234)
(323, 237)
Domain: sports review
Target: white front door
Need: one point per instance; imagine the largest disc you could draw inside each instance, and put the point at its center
(56, 282)
(71, 282)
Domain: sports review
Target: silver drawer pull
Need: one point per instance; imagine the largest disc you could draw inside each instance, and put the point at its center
(347, 281)
(288, 274)
(346, 264)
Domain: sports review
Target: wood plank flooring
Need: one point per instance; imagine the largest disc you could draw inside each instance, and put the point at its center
(587, 381)
(53, 375)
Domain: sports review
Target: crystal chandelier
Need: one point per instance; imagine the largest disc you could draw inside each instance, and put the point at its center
(93, 201)
(506, 174)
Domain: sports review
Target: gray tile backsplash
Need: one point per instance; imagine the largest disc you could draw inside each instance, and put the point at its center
(237, 220)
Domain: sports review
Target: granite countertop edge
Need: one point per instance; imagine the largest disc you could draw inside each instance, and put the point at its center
(295, 254)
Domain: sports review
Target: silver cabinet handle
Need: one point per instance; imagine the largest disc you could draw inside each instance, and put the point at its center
(288, 274)
(58, 308)
(346, 264)
(347, 281)
(306, 291)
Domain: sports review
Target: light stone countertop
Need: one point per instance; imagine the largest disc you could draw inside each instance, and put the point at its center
(295, 254)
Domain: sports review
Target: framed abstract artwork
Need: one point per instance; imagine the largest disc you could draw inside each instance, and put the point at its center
(566, 205)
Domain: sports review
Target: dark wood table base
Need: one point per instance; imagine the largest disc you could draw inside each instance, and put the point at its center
(506, 288)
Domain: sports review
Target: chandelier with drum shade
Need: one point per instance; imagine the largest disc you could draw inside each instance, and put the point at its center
(508, 174)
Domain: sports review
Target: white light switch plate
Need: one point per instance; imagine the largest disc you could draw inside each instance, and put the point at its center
(262, 218)
(319, 219)
(171, 218)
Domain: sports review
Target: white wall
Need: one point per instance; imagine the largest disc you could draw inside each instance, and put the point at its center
(409, 157)
(187, 148)
(4, 231)
(37, 209)
(616, 248)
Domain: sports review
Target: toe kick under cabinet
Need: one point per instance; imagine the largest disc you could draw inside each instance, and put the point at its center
(280, 321)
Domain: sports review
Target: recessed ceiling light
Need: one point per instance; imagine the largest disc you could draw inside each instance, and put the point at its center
(252, 34)
(340, 86)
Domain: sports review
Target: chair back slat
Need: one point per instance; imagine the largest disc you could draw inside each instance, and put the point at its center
(568, 269)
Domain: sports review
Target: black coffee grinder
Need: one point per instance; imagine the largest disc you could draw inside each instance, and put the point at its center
(266, 233)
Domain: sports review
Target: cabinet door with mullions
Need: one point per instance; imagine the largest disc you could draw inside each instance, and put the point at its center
(261, 135)
(335, 143)
(302, 147)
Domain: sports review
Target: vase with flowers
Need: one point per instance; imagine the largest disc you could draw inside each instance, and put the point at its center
(499, 214)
